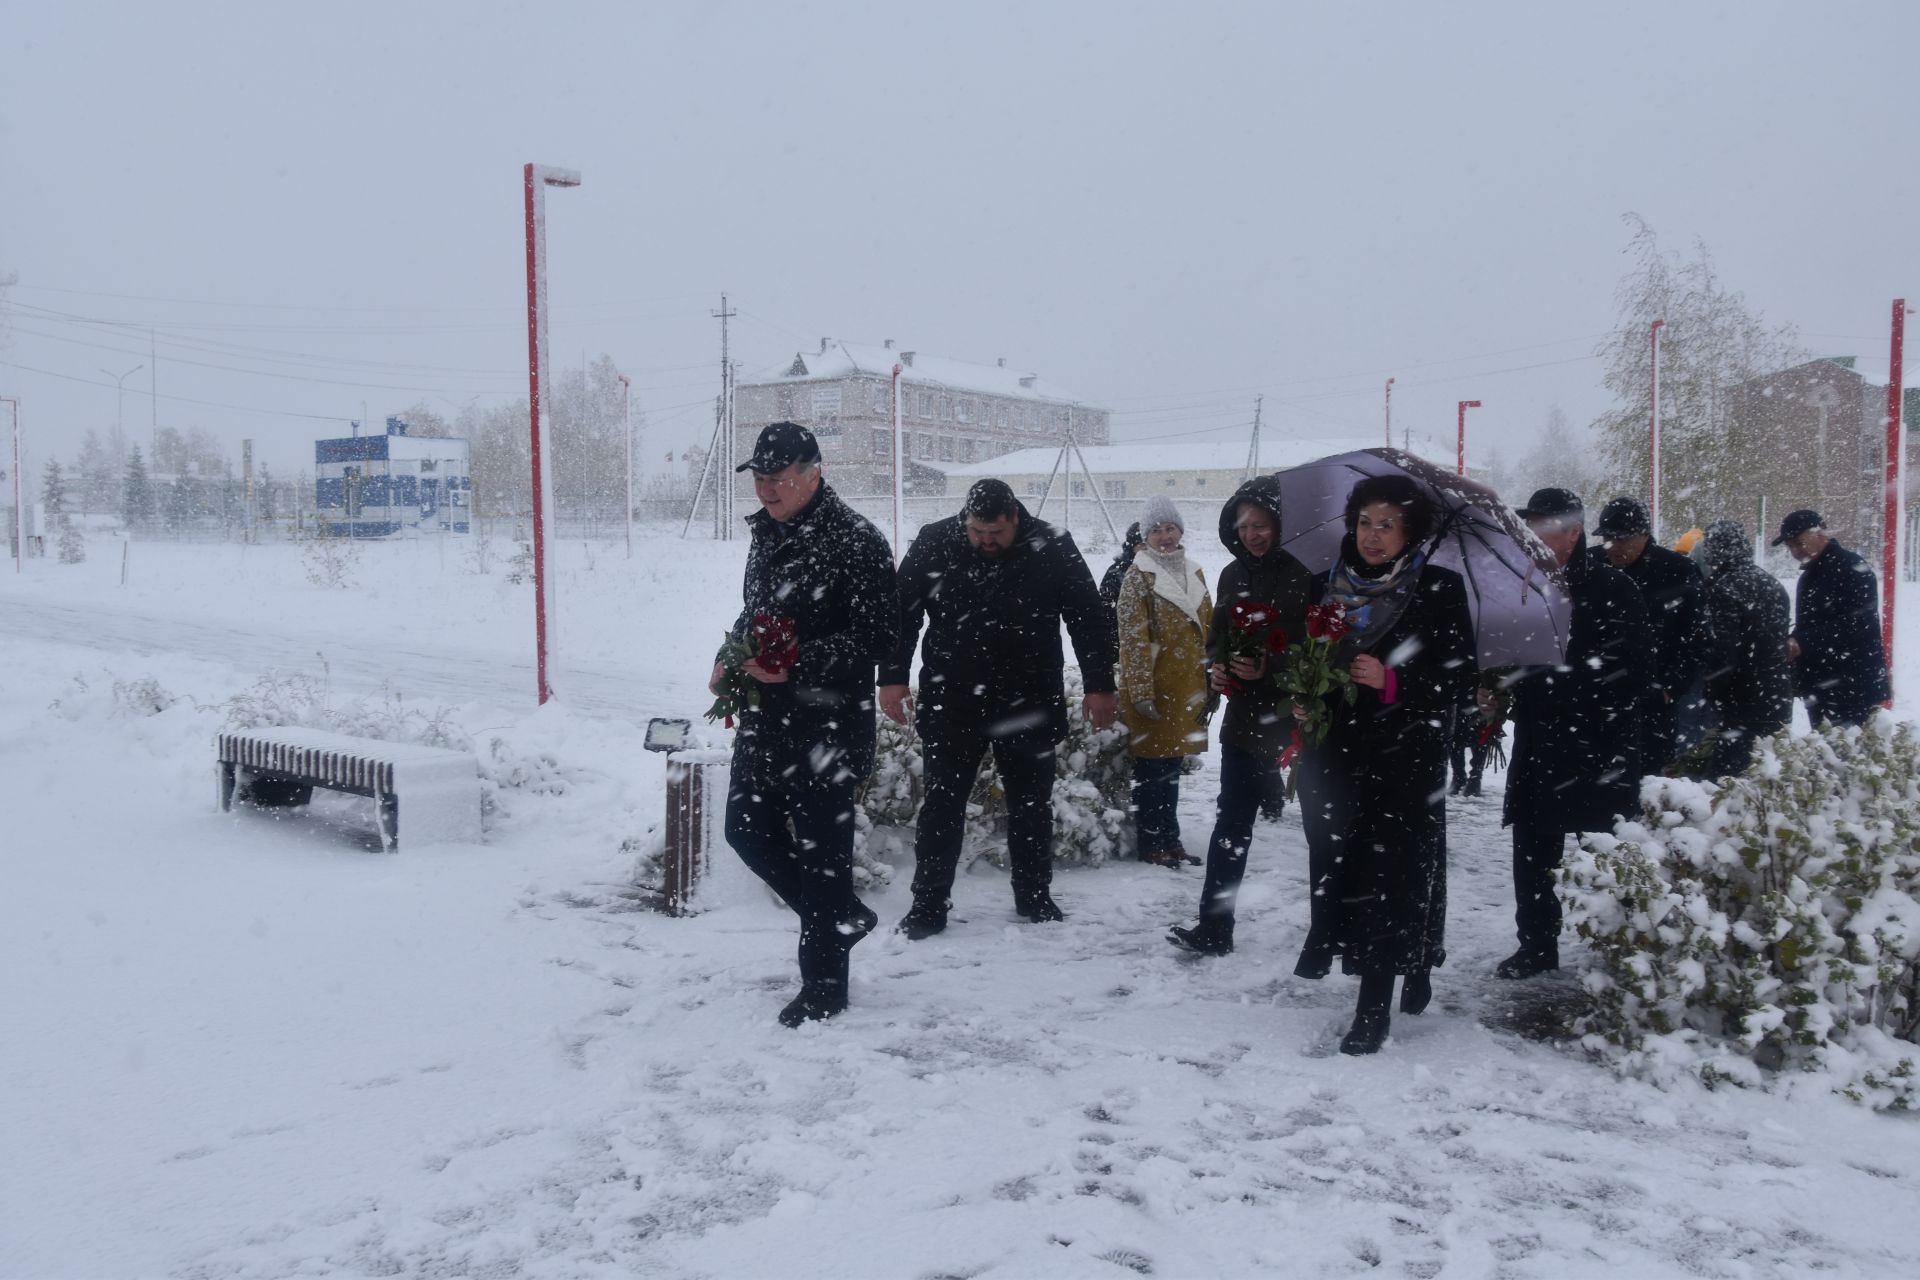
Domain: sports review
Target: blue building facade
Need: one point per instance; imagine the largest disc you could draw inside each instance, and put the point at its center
(377, 486)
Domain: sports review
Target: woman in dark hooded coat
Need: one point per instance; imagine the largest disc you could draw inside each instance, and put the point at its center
(1373, 792)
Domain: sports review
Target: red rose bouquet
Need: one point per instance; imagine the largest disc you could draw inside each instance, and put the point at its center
(1492, 733)
(773, 640)
(1253, 632)
(1313, 678)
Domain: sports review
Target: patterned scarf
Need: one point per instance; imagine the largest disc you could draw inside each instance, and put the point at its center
(1374, 595)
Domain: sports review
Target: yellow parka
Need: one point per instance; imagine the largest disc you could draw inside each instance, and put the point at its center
(1164, 700)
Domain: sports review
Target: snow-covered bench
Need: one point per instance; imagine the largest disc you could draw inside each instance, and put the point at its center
(282, 766)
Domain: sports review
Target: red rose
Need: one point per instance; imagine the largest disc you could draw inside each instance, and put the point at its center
(1277, 641)
(1252, 616)
(776, 644)
(1326, 621)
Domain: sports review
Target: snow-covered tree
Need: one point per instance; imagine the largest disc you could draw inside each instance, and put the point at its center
(96, 473)
(137, 504)
(72, 546)
(53, 490)
(1711, 339)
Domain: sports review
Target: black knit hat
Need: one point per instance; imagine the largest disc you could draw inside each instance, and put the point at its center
(1624, 518)
(1550, 504)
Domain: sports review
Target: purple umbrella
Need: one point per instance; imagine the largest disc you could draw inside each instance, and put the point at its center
(1520, 608)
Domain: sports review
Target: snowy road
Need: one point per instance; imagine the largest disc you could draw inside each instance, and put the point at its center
(354, 665)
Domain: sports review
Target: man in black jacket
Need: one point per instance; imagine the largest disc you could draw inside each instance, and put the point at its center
(1839, 665)
(1676, 599)
(1259, 719)
(1576, 727)
(1749, 684)
(993, 584)
(800, 754)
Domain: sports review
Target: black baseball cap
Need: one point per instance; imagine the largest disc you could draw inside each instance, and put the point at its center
(1623, 518)
(781, 444)
(1797, 523)
(1552, 504)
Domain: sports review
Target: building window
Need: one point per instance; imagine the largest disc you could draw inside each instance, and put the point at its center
(1116, 488)
(926, 446)
(1079, 488)
(1199, 482)
(946, 408)
(963, 410)
(966, 451)
(1171, 482)
(882, 442)
(826, 401)
(946, 448)
(883, 397)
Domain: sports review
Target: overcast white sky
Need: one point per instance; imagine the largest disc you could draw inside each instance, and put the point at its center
(1167, 208)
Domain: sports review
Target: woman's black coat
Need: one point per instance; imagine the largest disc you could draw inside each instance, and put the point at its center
(1373, 795)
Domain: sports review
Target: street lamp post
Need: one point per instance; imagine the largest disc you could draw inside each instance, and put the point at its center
(120, 389)
(1461, 463)
(899, 469)
(1389, 413)
(537, 178)
(1653, 510)
(1896, 456)
(19, 495)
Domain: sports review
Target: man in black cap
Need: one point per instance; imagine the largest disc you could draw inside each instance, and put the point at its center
(800, 753)
(1839, 665)
(1749, 684)
(1575, 740)
(1672, 712)
(993, 585)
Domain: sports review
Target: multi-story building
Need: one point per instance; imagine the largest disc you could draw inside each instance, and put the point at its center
(1815, 435)
(952, 412)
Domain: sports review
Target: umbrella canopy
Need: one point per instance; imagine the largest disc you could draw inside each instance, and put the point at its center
(1514, 590)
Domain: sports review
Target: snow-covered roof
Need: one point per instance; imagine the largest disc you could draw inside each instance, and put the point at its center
(850, 359)
(1159, 457)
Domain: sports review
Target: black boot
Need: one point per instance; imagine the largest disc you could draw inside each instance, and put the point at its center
(1038, 906)
(1210, 937)
(1525, 964)
(1473, 785)
(818, 1000)
(1371, 1016)
(1416, 991)
(923, 920)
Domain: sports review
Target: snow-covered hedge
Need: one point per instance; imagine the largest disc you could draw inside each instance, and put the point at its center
(1092, 790)
(1769, 923)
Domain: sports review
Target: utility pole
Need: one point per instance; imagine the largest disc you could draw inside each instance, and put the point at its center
(153, 391)
(1896, 455)
(626, 429)
(1389, 413)
(724, 437)
(1653, 433)
(1465, 405)
(1253, 445)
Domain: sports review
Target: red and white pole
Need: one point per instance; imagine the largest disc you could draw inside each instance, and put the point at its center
(626, 420)
(1890, 560)
(1389, 413)
(899, 472)
(1653, 509)
(538, 177)
(1461, 463)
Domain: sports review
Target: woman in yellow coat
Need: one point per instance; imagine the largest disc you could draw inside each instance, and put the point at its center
(1164, 613)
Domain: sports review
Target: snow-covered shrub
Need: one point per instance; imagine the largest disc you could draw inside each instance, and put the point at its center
(72, 545)
(1771, 922)
(298, 699)
(329, 559)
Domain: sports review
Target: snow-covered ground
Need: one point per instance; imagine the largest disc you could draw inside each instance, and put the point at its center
(242, 1047)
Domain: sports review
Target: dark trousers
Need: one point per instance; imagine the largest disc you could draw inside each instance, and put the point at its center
(952, 761)
(1243, 783)
(1537, 851)
(1156, 803)
(799, 839)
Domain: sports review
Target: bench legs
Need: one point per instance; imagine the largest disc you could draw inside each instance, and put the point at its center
(227, 769)
(389, 810)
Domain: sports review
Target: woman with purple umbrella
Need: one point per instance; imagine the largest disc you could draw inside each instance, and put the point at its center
(1373, 791)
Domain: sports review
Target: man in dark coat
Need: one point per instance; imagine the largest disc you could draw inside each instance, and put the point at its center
(1576, 727)
(993, 585)
(1676, 597)
(800, 754)
(1839, 665)
(1122, 561)
(1749, 684)
(1259, 719)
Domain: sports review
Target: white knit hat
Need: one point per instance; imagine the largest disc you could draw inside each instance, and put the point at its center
(1160, 510)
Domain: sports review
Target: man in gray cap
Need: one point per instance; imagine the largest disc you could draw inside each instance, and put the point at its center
(1576, 727)
(1676, 596)
(820, 573)
(1839, 665)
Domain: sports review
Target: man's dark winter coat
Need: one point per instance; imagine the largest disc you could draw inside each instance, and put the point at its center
(1576, 727)
(1116, 573)
(1676, 597)
(1842, 672)
(1749, 682)
(992, 658)
(831, 572)
(1373, 795)
(1259, 721)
